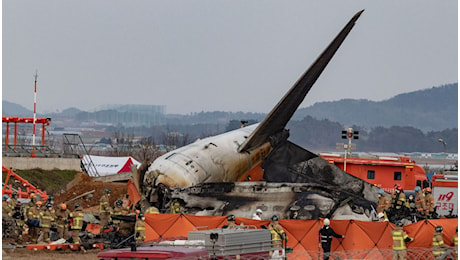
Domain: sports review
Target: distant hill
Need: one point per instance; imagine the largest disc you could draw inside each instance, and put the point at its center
(13, 109)
(428, 110)
(431, 109)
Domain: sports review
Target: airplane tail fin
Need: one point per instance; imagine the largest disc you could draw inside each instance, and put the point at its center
(277, 119)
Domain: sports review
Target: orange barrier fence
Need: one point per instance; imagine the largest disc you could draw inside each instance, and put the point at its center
(372, 238)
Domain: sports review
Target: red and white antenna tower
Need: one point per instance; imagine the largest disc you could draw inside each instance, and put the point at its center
(35, 115)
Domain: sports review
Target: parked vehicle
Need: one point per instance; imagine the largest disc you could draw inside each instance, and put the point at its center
(383, 171)
(445, 193)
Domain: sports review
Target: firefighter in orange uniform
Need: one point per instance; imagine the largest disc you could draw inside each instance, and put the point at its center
(46, 219)
(429, 203)
(62, 214)
(400, 238)
(383, 203)
(419, 201)
(77, 223)
(33, 221)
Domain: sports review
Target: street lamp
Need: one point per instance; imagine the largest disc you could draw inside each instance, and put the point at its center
(445, 148)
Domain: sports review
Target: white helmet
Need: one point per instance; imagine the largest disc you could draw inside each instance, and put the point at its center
(380, 215)
(259, 211)
(326, 222)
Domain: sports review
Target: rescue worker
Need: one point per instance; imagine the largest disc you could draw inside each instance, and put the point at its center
(400, 238)
(439, 248)
(139, 228)
(258, 214)
(117, 211)
(19, 218)
(231, 224)
(62, 214)
(152, 210)
(77, 223)
(46, 219)
(127, 206)
(454, 243)
(104, 209)
(398, 198)
(419, 201)
(429, 203)
(278, 234)
(12, 202)
(383, 204)
(326, 233)
(411, 202)
(6, 211)
(175, 207)
(33, 221)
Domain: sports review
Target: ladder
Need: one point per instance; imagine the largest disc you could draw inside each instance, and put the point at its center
(74, 144)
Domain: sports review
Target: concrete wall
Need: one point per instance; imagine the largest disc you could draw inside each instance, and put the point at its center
(26, 163)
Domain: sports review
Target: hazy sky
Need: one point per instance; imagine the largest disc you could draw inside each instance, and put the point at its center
(193, 56)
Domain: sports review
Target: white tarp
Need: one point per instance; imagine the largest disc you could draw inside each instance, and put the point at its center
(106, 165)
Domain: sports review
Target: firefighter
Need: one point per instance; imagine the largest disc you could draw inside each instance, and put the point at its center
(127, 206)
(411, 202)
(400, 238)
(140, 228)
(231, 224)
(77, 223)
(19, 218)
(383, 203)
(46, 219)
(12, 202)
(6, 211)
(31, 203)
(152, 210)
(104, 209)
(326, 233)
(454, 243)
(117, 211)
(429, 203)
(33, 221)
(439, 248)
(62, 214)
(419, 201)
(277, 231)
(398, 198)
(175, 207)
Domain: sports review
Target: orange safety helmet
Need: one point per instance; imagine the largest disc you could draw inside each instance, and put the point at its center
(398, 187)
(63, 206)
(38, 203)
(428, 189)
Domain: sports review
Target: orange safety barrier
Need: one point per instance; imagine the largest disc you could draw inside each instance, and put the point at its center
(369, 238)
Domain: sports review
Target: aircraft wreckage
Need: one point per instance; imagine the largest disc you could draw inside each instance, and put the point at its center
(203, 176)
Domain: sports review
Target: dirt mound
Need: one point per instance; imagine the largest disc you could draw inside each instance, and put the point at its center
(86, 191)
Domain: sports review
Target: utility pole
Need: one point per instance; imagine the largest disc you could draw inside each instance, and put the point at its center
(349, 134)
(445, 153)
(35, 115)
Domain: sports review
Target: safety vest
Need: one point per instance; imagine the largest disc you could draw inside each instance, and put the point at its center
(398, 239)
(455, 240)
(77, 222)
(152, 210)
(438, 242)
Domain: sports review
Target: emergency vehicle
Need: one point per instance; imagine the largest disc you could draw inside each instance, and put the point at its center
(382, 171)
(245, 242)
(445, 193)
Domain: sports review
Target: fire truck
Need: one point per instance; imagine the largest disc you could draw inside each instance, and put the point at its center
(445, 193)
(382, 171)
(244, 242)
